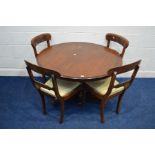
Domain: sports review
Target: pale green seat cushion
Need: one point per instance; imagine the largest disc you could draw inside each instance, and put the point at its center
(101, 86)
(64, 87)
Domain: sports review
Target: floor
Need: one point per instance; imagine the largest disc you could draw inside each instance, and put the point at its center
(20, 108)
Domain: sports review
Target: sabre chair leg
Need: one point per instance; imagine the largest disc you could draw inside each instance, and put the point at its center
(61, 111)
(102, 105)
(43, 103)
(119, 103)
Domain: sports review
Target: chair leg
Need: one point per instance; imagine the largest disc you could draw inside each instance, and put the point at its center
(61, 111)
(43, 103)
(102, 105)
(119, 103)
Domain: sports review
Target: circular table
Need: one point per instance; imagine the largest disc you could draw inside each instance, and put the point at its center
(79, 60)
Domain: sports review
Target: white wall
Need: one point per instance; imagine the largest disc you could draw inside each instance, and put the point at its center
(15, 44)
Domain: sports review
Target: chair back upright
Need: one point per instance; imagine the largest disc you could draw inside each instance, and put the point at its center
(39, 39)
(119, 39)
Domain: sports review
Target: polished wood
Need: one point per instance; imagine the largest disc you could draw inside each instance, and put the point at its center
(126, 84)
(53, 75)
(78, 60)
(44, 37)
(39, 39)
(119, 39)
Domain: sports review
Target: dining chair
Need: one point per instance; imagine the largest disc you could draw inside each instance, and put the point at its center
(118, 39)
(56, 87)
(45, 37)
(104, 89)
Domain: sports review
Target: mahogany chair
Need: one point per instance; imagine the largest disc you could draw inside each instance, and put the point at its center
(118, 39)
(56, 87)
(39, 39)
(105, 89)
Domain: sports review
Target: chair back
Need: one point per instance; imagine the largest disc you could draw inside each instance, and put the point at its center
(119, 39)
(50, 73)
(134, 67)
(40, 38)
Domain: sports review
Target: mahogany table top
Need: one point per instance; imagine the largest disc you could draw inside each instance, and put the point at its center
(79, 60)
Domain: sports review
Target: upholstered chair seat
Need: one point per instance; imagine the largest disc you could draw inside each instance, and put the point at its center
(64, 87)
(101, 86)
